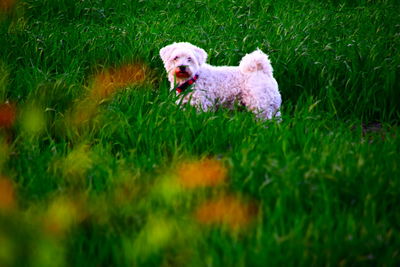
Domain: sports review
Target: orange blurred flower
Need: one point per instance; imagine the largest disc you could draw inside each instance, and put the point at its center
(227, 211)
(109, 81)
(6, 4)
(104, 85)
(207, 172)
(7, 194)
(7, 115)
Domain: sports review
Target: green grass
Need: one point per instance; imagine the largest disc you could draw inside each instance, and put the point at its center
(103, 191)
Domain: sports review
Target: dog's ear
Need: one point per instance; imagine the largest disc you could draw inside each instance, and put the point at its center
(201, 55)
(166, 52)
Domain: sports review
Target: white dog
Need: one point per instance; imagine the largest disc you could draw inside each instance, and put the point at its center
(250, 84)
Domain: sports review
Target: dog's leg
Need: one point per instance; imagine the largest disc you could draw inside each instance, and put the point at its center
(265, 106)
(261, 96)
(201, 101)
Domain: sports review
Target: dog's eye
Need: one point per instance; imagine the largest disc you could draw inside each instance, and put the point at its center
(176, 58)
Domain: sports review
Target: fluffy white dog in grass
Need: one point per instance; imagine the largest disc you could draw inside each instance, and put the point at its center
(251, 83)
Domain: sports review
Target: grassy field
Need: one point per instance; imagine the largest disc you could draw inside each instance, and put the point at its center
(99, 167)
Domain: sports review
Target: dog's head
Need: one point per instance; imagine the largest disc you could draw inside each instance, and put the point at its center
(182, 60)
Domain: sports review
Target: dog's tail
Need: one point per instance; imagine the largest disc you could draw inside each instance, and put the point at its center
(256, 61)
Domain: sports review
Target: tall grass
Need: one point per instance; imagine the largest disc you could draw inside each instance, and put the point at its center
(98, 166)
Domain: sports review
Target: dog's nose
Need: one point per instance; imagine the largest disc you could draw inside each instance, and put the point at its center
(182, 68)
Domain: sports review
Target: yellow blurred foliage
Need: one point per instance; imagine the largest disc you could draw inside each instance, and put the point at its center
(203, 173)
(62, 214)
(157, 233)
(7, 194)
(168, 188)
(7, 250)
(228, 211)
(77, 162)
(49, 252)
(33, 120)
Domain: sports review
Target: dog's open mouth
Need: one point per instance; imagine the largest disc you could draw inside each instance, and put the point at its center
(182, 74)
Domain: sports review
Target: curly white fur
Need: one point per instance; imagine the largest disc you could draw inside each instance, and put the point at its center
(251, 83)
